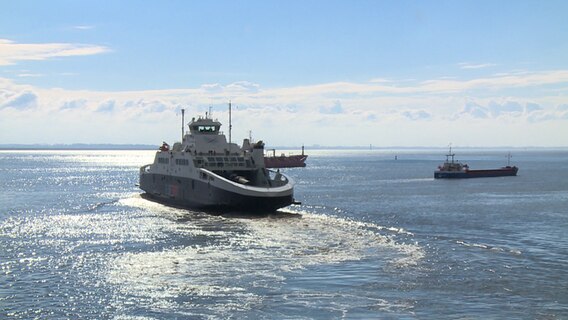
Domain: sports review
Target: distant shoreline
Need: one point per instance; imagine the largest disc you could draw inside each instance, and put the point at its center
(85, 146)
(78, 146)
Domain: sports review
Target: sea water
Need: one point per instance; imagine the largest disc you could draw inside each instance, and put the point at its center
(374, 237)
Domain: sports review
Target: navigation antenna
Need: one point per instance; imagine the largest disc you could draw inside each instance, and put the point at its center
(450, 155)
(230, 126)
(182, 124)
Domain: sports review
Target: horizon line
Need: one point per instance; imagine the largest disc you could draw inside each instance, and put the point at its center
(142, 146)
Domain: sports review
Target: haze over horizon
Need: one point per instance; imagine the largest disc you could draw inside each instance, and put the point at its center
(330, 73)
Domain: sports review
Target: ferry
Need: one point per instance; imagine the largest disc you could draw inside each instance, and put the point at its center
(205, 171)
(452, 169)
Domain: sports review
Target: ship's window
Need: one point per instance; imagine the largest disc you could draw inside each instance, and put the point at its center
(233, 159)
(219, 164)
(164, 160)
(207, 128)
(241, 159)
(219, 159)
(210, 159)
(182, 162)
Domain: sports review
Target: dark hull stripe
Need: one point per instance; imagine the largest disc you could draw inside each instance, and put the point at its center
(475, 174)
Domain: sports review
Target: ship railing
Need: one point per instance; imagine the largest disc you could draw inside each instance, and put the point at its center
(277, 178)
(283, 184)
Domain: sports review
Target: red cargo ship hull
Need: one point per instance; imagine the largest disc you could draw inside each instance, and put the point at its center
(293, 161)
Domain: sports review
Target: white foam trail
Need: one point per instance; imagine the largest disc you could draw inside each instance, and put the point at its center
(225, 263)
(247, 253)
(488, 247)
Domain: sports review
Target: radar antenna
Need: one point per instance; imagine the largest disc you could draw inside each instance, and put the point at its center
(230, 126)
(182, 122)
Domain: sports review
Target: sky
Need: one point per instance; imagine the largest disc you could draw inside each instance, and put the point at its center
(329, 73)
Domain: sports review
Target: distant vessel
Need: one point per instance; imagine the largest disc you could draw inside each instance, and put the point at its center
(205, 171)
(452, 169)
(284, 161)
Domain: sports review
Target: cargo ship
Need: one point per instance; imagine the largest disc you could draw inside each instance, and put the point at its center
(452, 169)
(284, 161)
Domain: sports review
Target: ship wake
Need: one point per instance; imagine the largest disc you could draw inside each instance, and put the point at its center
(230, 263)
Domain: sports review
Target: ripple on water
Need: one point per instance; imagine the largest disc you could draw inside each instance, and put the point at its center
(244, 258)
(133, 254)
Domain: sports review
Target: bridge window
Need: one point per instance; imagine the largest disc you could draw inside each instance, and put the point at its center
(207, 128)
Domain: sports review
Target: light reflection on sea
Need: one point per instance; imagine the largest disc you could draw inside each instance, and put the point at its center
(374, 238)
(179, 260)
(241, 259)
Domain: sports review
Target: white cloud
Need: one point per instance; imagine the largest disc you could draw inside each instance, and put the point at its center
(417, 114)
(467, 65)
(83, 27)
(212, 88)
(496, 82)
(11, 52)
(107, 106)
(30, 75)
(430, 87)
(404, 113)
(532, 107)
(243, 87)
(512, 111)
(474, 110)
(19, 101)
(507, 107)
(380, 80)
(73, 104)
(335, 109)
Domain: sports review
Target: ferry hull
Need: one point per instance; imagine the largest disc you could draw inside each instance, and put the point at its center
(504, 172)
(197, 194)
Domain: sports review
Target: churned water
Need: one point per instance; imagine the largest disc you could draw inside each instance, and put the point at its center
(375, 237)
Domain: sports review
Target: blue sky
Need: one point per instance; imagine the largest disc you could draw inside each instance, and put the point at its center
(387, 73)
